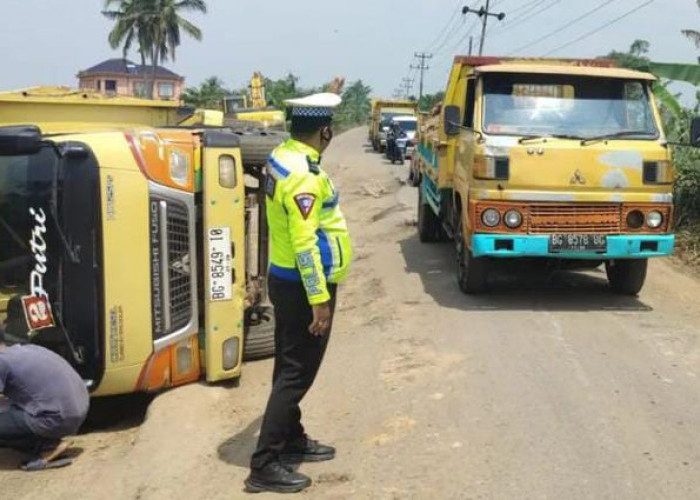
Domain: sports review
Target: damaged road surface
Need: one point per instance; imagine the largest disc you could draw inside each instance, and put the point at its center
(549, 386)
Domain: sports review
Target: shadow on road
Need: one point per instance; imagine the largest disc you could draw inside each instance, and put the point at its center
(514, 288)
(116, 413)
(237, 449)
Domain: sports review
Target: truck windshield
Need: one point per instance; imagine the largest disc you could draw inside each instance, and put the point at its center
(577, 106)
(407, 126)
(48, 250)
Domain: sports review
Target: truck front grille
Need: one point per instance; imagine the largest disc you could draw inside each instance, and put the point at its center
(180, 266)
(581, 218)
(171, 267)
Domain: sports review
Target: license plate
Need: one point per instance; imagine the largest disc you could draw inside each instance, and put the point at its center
(220, 262)
(578, 243)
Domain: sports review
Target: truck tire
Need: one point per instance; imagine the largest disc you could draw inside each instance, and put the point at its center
(429, 226)
(256, 145)
(259, 341)
(627, 276)
(472, 273)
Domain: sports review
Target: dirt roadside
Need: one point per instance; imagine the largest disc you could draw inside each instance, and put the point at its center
(548, 387)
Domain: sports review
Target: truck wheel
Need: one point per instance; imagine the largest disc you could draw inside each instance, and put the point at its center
(256, 145)
(260, 340)
(472, 273)
(627, 276)
(429, 225)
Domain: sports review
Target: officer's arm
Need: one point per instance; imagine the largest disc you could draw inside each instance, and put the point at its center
(303, 202)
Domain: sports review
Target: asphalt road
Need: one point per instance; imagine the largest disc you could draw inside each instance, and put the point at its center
(549, 386)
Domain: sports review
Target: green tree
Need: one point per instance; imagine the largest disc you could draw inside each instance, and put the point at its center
(157, 25)
(129, 27)
(209, 94)
(355, 107)
(277, 91)
(428, 101)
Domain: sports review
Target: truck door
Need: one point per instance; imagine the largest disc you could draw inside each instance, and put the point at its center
(223, 254)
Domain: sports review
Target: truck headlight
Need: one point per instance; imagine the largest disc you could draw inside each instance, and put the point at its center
(655, 219)
(227, 172)
(179, 167)
(635, 219)
(490, 217)
(491, 167)
(513, 219)
(229, 358)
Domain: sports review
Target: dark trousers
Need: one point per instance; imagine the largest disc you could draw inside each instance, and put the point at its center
(298, 356)
(15, 431)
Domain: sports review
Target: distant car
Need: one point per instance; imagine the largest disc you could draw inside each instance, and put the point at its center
(409, 125)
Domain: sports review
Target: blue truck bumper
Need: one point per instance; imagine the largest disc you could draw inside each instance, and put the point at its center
(619, 247)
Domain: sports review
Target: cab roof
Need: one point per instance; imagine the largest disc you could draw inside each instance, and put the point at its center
(556, 69)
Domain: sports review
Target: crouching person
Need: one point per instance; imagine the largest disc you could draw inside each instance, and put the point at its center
(43, 400)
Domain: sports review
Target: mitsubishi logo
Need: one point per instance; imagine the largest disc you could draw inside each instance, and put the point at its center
(182, 265)
(578, 179)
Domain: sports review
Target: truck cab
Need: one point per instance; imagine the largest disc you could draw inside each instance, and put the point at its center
(564, 160)
(138, 253)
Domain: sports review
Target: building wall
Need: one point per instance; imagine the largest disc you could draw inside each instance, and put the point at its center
(128, 85)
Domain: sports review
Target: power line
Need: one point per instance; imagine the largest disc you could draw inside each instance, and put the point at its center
(441, 33)
(567, 25)
(601, 28)
(529, 16)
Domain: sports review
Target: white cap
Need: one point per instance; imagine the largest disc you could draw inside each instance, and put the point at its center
(314, 106)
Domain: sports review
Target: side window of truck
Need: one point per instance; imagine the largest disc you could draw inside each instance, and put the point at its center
(470, 103)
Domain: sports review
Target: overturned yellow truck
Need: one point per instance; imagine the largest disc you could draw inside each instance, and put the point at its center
(132, 247)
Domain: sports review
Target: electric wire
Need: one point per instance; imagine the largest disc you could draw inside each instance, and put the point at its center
(562, 28)
(601, 28)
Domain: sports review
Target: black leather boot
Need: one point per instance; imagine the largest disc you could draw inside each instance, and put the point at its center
(307, 450)
(277, 478)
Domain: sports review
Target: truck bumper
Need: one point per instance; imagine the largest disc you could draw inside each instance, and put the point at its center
(619, 247)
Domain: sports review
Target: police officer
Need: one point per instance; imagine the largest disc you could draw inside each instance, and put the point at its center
(310, 255)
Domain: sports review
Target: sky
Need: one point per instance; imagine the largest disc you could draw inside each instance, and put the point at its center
(46, 42)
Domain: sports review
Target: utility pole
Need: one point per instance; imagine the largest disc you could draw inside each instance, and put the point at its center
(406, 86)
(484, 13)
(422, 57)
(471, 45)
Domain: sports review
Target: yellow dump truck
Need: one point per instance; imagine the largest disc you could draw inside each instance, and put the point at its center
(564, 160)
(135, 251)
(382, 113)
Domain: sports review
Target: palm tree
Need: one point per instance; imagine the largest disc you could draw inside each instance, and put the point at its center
(157, 26)
(129, 26)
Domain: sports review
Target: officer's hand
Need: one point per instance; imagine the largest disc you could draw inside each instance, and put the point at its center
(322, 320)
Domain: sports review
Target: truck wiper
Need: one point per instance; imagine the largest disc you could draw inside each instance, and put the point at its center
(69, 249)
(528, 138)
(616, 135)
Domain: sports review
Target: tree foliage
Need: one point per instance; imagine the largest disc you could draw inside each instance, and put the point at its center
(209, 94)
(356, 105)
(156, 26)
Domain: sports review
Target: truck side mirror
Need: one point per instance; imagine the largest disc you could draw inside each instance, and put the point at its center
(452, 119)
(19, 140)
(695, 132)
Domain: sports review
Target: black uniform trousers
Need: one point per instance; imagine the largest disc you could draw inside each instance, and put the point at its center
(298, 356)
